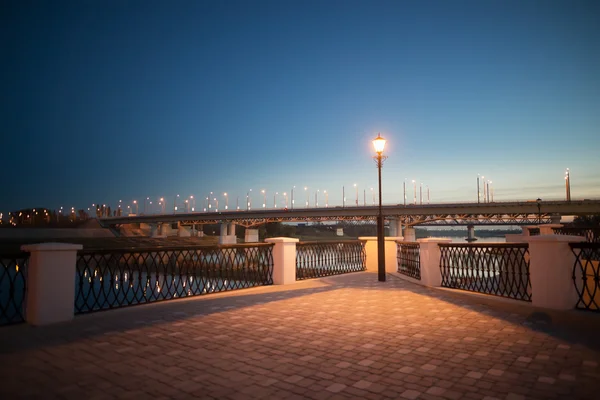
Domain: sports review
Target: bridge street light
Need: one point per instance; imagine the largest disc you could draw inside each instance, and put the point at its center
(307, 200)
(226, 201)
(286, 199)
(265, 198)
(175, 204)
(356, 187)
(379, 145)
(539, 204)
(414, 192)
(275, 199)
(293, 187)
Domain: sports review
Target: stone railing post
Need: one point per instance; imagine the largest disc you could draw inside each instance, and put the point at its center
(51, 282)
(284, 260)
(391, 251)
(430, 261)
(551, 269)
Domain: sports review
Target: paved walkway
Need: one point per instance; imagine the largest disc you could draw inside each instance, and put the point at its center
(334, 338)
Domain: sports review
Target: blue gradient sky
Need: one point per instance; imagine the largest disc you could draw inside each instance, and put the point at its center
(109, 100)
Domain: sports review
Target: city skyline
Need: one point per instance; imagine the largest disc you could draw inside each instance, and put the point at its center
(121, 101)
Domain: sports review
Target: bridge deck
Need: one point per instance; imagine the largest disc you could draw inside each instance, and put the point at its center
(341, 337)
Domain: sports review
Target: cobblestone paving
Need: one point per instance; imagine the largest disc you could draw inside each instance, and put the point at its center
(334, 338)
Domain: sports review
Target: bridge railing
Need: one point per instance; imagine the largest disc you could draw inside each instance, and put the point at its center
(591, 235)
(409, 259)
(317, 259)
(118, 278)
(586, 275)
(500, 269)
(13, 287)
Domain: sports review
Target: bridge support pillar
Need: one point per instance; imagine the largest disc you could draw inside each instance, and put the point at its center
(555, 219)
(395, 227)
(409, 234)
(182, 231)
(224, 238)
(231, 229)
(251, 236)
(471, 233)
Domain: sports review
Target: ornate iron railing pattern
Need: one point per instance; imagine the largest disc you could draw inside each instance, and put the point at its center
(497, 269)
(591, 235)
(409, 259)
(586, 275)
(118, 278)
(317, 259)
(13, 287)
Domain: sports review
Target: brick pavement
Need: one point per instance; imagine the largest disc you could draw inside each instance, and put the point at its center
(342, 337)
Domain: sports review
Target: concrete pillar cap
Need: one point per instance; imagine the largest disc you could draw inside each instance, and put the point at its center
(51, 247)
(281, 240)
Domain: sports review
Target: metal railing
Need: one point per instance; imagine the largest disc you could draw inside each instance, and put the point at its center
(500, 269)
(586, 275)
(118, 278)
(591, 235)
(317, 259)
(13, 287)
(409, 259)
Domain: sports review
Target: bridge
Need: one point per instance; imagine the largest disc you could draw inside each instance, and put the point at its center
(467, 214)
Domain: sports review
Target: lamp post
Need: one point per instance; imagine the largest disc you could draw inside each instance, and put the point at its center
(421, 193)
(248, 205)
(326, 198)
(568, 184)
(293, 187)
(404, 191)
(317, 198)
(379, 145)
(427, 194)
(226, 201)
(193, 201)
(414, 192)
(356, 187)
(286, 199)
(136, 207)
(539, 204)
(265, 198)
(307, 199)
(175, 204)
(344, 196)
(216, 204)
(478, 188)
(145, 202)
(275, 199)
(373, 196)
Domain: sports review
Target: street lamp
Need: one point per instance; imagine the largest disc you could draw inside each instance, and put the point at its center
(568, 184)
(293, 187)
(248, 200)
(274, 199)
(136, 207)
(404, 191)
(356, 187)
(373, 196)
(226, 201)
(193, 201)
(265, 198)
(175, 204)
(421, 193)
(286, 199)
(216, 204)
(317, 198)
(326, 198)
(539, 204)
(414, 192)
(379, 145)
(307, 200)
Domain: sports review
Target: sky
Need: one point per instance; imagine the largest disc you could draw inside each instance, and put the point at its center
(104, 101)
